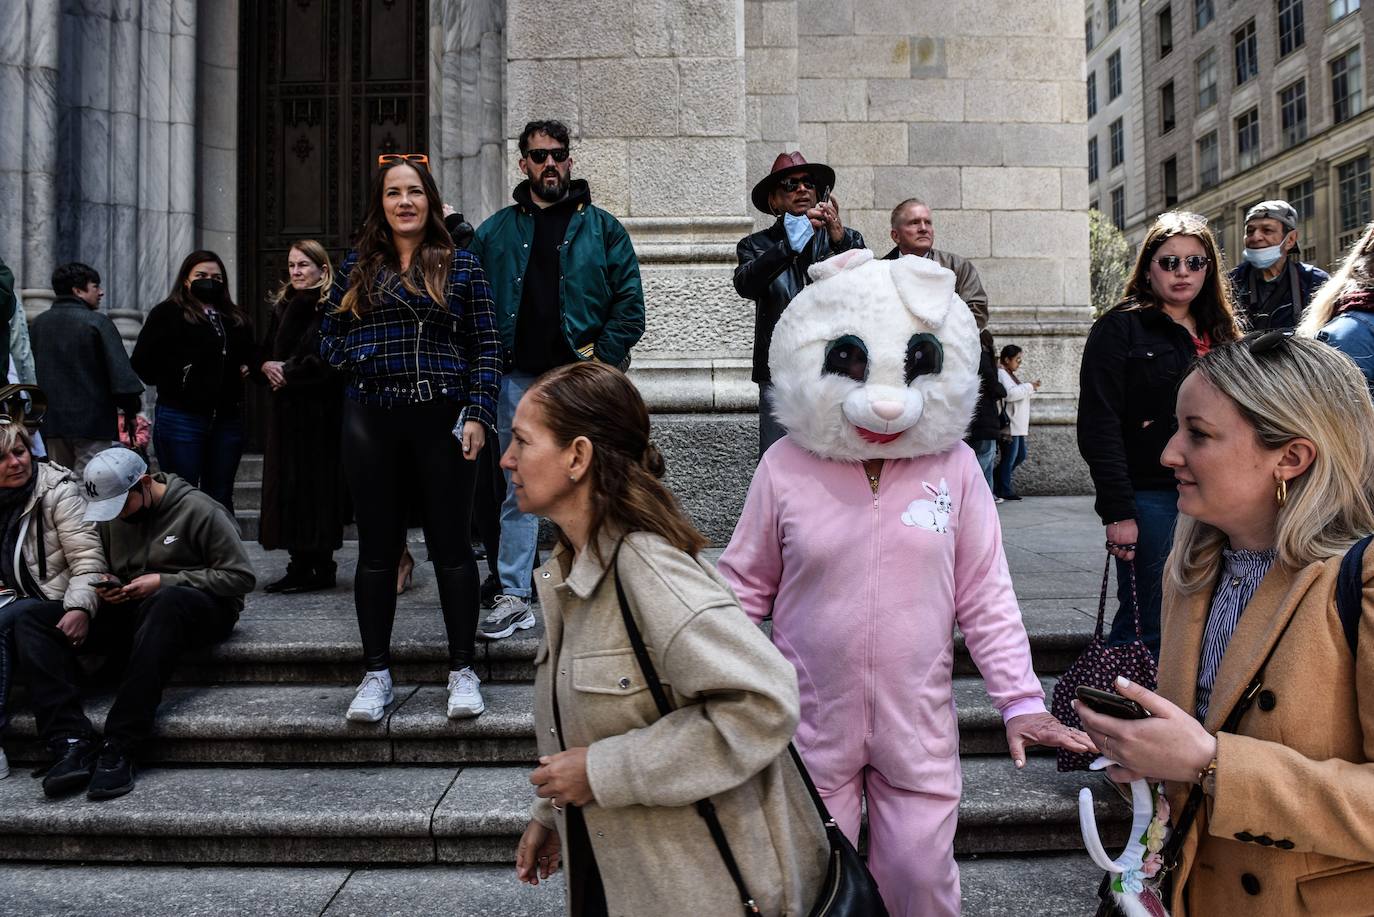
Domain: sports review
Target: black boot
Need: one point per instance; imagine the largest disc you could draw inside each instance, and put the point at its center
(75, 763)
(321, 576)
(114, 772)
(491, 588)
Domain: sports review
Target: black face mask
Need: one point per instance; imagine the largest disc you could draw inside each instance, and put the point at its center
(145, 509)
(208, 290)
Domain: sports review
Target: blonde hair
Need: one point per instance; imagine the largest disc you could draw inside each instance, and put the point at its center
(316, 253)
(13, 432)
(1356, 273)
(1302, 388)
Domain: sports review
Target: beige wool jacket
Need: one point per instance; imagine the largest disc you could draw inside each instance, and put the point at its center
(1289, 827)
(735, 708)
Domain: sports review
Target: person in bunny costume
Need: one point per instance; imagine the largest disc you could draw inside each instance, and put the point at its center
(868, 535)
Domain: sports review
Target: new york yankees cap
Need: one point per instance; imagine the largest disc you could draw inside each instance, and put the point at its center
(108, 479)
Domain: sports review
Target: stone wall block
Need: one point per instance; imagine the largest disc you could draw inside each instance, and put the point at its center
(813, 142)
(753, 24)
(1074, 188)
(854, 188)
(873, 224)
(928, 58)
(712, 96)
(1073, 104)
(705, 180)
(1077, 280)
(155, 66)
(994, 58)
(1011, 188)
(779, 25)
(825, 17)
(778, 119)
(216, 119)
(854, 143)
(683, 28)
(605, 164)
(753, 118)
(1039, 234)
(1044, 144)
(1020, 281)
(853, 56)
(1012, 101)
(629, 98)
(694, 310)
(936, 18)
(954, 143)
(833, 99)
(548, 88)
(1019, 19)
(214, 23)
(915, 100)
(770, 71)
(938, 187)
(964, 232)
(585, 28)
(94, 74)
(218, 189)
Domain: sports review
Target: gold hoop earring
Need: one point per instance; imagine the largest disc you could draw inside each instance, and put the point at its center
(1281, 492)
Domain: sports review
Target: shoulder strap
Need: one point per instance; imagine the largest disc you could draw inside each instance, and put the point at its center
(1350, 591)
(705, 808)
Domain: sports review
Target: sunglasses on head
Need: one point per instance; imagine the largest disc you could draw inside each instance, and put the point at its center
(791, 185)
(421, 158)
(539, 156)
(1195, 263)
(1262, 342)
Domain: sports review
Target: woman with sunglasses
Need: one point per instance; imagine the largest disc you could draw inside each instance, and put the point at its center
(1177, 306)
(1342, 312)
(410, 322)
(1263, 723)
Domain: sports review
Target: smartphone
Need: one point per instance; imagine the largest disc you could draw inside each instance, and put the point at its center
(1111, 704)
(823, 194)
(108, 584)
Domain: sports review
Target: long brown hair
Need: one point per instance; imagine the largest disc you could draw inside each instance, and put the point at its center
(192, 307)
(598, 401)
(1212, 310)
(316, 253)
(377, 249)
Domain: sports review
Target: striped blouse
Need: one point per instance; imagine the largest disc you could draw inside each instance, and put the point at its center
(1242, 572)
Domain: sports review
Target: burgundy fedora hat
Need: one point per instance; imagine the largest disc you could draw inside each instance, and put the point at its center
(785, 163)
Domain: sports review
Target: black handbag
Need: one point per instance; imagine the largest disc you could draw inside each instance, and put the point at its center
(849, 889)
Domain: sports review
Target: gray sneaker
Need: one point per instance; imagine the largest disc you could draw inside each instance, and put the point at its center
(511, 613)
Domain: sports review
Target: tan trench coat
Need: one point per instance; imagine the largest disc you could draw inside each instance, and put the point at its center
(1289, 828)
(736, 707)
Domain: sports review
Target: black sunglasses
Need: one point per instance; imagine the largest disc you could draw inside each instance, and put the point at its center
(790, 185)
(1261, 342)
(1195, 263)
(539, 156)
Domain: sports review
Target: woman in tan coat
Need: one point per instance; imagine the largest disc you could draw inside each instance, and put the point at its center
(617, 783)
(1274, 456)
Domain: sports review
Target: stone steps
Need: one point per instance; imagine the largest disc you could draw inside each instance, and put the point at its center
(414, 814)
(301, 724)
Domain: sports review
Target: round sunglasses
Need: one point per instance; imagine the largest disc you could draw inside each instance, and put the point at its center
(1194, 263)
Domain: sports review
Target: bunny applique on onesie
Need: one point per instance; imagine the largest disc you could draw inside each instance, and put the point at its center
(865, 581)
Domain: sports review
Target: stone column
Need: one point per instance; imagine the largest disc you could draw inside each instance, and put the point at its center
(216, 114)
(466, 66)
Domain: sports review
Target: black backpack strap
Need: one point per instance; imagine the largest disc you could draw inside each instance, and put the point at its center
(1350, 591)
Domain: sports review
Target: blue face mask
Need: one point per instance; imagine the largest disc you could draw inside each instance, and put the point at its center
(799, 230)
(1263, 257)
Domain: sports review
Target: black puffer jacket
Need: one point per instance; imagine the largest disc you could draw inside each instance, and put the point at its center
(1128, 385)
(771, 274)
(985, 423)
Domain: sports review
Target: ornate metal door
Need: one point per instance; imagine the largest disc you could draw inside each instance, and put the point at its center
(327, 85)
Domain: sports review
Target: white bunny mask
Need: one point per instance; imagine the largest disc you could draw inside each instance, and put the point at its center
(875, 359)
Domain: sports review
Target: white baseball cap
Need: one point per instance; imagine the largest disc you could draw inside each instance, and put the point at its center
(107, 481)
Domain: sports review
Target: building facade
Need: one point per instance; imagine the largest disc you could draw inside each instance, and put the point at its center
(1270, 100)
(1116, 131)
(139, 130)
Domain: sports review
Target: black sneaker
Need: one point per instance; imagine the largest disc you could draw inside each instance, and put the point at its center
(1012, 497)
(75, 763)
(491, 588)
(114, 773)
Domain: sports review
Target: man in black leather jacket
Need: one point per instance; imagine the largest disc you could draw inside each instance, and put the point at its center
(773, 262)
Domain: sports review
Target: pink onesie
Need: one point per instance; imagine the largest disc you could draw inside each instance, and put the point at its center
(865, 592)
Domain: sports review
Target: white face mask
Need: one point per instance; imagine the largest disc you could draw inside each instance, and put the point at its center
(1263, 257)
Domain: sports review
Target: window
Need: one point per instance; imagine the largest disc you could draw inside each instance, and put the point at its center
(1092, 205)
(1166, 108)
(1118, 135)
(1092, 93)
(1290, 26)
(1166, 31)
(1112, 17)
(1303, 197)
(1218, 225)
(1247, 52)
(1293, 114)
(1119, 208)
(1114, 75)
(1339, 9)
(1202, 13)
(1171, 181)
(1352, 185)
(1208, 161)
(1088, 32)
(1247, 139)
(1207, 80)
(1092, 159)
(1347, 86)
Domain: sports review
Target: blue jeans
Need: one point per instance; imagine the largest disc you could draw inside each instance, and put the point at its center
(986, 450)
(8, 615)
(519, 531)
(1156, 511)
(1012, 456)
(203, 450)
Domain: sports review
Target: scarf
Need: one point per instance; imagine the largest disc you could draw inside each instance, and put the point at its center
(12, 503)
(1356, 301)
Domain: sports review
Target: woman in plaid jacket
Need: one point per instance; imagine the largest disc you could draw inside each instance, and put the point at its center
(411, 323)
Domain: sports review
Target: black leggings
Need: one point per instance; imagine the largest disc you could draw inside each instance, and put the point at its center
(394, 458)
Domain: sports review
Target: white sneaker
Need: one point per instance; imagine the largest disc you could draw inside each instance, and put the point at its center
(464, 694)
(371, 701)
(4, 765)
(511, 613)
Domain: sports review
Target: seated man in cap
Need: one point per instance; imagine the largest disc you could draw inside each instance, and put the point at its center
(179, 576)
(773, 262)
(1272, 287)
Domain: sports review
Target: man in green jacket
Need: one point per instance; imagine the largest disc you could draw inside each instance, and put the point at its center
(179, 577)
(566, 283)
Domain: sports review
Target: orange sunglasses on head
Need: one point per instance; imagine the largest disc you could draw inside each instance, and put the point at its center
(421, 158)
